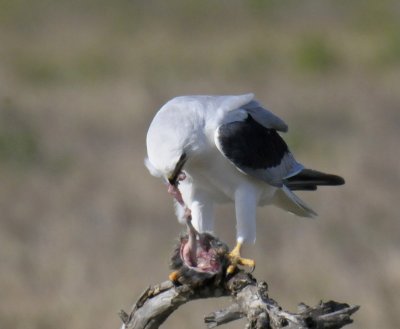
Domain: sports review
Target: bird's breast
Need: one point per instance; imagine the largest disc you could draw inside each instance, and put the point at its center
(216, 175)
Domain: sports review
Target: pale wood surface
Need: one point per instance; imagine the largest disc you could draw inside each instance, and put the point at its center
(249, 299)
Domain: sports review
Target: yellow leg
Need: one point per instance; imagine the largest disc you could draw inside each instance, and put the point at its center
(236, 251)
(236, 259)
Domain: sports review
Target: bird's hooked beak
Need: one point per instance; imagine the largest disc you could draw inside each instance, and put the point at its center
(173, 179)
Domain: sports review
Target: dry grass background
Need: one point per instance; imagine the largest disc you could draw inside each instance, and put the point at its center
(84, 228)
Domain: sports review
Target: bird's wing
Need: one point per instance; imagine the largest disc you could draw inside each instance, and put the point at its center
(248, 138)
(237, 107)
(265, 117)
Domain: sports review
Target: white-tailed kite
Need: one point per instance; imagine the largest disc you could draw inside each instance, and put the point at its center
(227, 149)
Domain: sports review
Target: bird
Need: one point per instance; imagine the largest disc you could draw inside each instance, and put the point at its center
(214, 149)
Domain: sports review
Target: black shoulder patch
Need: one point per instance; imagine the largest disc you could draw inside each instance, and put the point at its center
(249, 144)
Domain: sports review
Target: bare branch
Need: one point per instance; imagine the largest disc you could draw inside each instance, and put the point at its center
(250, 299)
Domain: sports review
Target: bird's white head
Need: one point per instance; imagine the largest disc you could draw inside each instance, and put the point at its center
(174, 135)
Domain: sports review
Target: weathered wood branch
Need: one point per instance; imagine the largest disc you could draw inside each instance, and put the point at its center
(250, 298)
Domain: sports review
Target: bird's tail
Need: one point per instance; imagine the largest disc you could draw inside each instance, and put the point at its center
(285, 199)
(306, 180)
(309, 180)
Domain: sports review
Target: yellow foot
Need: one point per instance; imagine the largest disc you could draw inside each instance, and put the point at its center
(174, 276)
(235, 260)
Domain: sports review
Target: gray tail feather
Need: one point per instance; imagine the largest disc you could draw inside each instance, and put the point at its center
(285, 199)
(309, 180)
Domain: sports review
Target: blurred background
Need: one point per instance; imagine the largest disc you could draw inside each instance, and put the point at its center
(84, 228)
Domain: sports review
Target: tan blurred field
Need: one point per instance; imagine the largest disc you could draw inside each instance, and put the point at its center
(84, 228)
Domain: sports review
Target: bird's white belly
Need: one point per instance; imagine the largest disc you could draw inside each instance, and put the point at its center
(220, 179)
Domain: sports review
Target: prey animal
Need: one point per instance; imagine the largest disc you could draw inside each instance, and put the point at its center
(219, 149)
